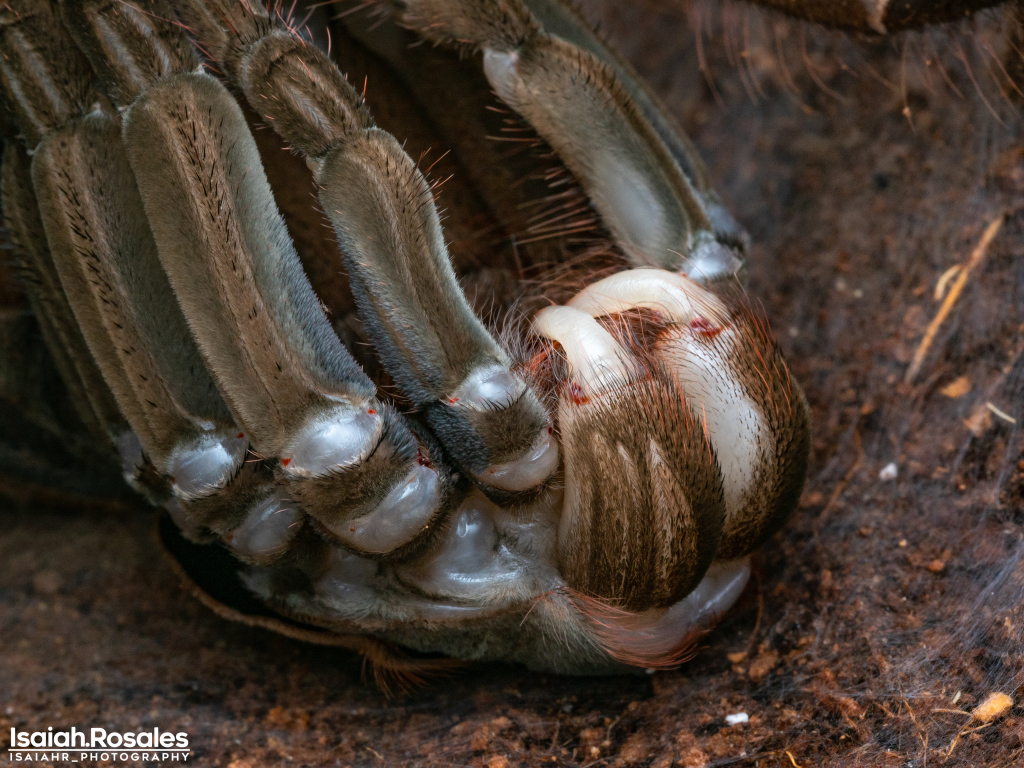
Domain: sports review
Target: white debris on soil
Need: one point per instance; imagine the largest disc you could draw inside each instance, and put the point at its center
(889, 471)
(738, 719)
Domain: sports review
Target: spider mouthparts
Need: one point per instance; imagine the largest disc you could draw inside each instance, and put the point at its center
(598, 363)
(675, 297)
(644, 506)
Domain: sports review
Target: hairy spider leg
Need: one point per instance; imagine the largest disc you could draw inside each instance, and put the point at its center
(111, 276)
(645, 182)
(426, 334)
(92, 398)
(344, 457)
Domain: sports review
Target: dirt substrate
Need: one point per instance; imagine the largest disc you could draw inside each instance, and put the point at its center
(879, 618)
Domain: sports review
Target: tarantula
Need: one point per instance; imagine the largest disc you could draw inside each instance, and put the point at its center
(577, 490)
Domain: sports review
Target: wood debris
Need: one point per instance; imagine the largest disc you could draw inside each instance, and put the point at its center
(956, 388)
(976, 257)
(995, 705)
(1001, 414)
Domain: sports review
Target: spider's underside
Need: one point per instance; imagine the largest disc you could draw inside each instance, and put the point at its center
(582, 495)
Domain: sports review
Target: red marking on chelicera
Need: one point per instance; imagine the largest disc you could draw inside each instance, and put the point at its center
(705, 328)
(285, 462)
(537, 360)
(422, 460)
(241, 435)
(452, 400)
(576, 393)
(370, 411)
